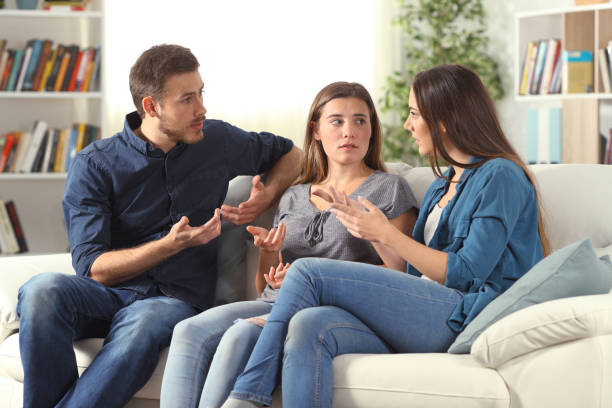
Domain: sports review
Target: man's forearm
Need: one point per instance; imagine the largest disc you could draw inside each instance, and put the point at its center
(284, 172)
(120, 265)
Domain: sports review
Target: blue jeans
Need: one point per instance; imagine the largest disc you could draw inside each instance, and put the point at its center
(56, 309)
(406, 314)
(194, 343)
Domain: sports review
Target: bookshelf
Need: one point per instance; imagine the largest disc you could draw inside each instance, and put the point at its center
(579, 28)
(38, 196)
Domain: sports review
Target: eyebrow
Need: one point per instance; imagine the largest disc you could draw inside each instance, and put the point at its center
(190, 93)
(337, 115)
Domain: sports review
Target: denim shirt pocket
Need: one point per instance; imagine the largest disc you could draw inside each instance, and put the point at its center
(460, 232)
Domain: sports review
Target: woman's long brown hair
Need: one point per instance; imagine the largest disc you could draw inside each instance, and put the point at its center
(453, 98)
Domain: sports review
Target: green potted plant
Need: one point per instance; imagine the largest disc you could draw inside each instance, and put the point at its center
(433, 32)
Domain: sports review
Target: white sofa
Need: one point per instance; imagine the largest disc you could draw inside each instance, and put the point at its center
(569, 364)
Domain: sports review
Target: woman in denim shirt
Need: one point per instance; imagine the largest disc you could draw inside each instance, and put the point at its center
(479, 230)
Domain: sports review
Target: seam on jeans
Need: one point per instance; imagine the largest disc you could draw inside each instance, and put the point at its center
(200, 353)
(321, 278)
(251, 397)
(320, 341)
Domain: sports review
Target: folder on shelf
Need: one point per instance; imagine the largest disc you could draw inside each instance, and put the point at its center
(554, 128)
(578, 71)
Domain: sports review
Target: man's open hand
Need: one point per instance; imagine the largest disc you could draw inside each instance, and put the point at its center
(248, 210)
(185, 236)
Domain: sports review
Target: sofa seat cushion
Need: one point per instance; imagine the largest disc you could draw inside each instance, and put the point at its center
(416, 380)
(85, 350)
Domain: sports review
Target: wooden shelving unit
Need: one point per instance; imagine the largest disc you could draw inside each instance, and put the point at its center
(578, 28)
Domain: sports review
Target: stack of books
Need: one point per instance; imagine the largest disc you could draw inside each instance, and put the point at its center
(541, 70)
(44, 66)
(62, 5)
(44, 149)
(12, 239)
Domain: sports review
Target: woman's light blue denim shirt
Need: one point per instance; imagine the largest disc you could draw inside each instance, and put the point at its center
(489, 230)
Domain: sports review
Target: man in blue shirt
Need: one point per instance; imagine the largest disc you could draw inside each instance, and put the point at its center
(142, 211)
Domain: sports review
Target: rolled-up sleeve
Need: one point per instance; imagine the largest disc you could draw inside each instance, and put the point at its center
(498, 205)
(87, 212)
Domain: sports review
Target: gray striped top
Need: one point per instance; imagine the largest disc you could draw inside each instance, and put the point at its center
(314, 233)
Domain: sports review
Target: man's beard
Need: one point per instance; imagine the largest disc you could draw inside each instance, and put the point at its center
(185, 135)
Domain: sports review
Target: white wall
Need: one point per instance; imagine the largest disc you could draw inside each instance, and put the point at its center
(263, 61)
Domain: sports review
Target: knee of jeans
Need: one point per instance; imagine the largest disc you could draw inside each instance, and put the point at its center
(306, 327)
(42, 294)
(301, 269)
(242, 335)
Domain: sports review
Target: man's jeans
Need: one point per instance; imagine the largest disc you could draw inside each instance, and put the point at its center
(194, 343)
(56, 309)
(338, 307)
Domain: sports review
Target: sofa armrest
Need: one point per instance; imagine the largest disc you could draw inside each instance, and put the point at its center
(543, 325)
(16, 270)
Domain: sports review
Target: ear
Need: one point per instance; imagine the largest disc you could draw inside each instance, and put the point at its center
(442, 128)
(149, 106)
(315, 130)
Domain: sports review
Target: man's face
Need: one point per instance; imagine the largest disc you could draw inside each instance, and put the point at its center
(182, 113)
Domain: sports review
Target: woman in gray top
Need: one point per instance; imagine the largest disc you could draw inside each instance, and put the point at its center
(342, 154)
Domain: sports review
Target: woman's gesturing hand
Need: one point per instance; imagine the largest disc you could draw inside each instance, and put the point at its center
(270, 241)
(275, 277)
(361, 218)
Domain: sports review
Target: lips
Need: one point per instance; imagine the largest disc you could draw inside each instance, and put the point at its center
(197, 125)
(348, 146)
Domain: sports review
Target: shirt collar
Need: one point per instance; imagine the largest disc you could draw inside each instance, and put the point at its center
(440, 183)
(133, 121)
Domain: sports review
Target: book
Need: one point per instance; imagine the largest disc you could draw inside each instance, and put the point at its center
(64, 5)
(555, 82)
(554, 46)
(47, 70)
(8, 239)
(17, 62)
(60, 152)
(543, 135)
(532, 136)
(90, 73)
(608, 55)
(71, 145)
(38, 133)
(10, 145)
(554, 128)
(55, 68)
(49, 151)
(6, 63)
(578, 71)
(2, 45)
(40, 154)
(94, 84)
(16, 224)
(604, 70)
(525, 69)
(24, 67)
(539, 66)
(532, 63)
(82, 69)
(608, 149)
(61, 73)
(22, 147)
(45, 53)
(74, 53)
(75, 71)
(32, 65)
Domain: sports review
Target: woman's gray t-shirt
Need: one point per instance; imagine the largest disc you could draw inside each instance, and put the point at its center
(314, 233)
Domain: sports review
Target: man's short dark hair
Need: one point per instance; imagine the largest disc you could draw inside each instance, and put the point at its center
(148, 75)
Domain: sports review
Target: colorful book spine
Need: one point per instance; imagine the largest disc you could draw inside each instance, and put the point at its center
(16, 224)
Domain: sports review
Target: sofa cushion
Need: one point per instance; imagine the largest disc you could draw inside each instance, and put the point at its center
(85, 351)
(416, 380)
(571, 271)
(543, 325)
(16, 270)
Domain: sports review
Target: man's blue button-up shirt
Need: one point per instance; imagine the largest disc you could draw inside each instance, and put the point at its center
(122, 192)
(489, 230)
